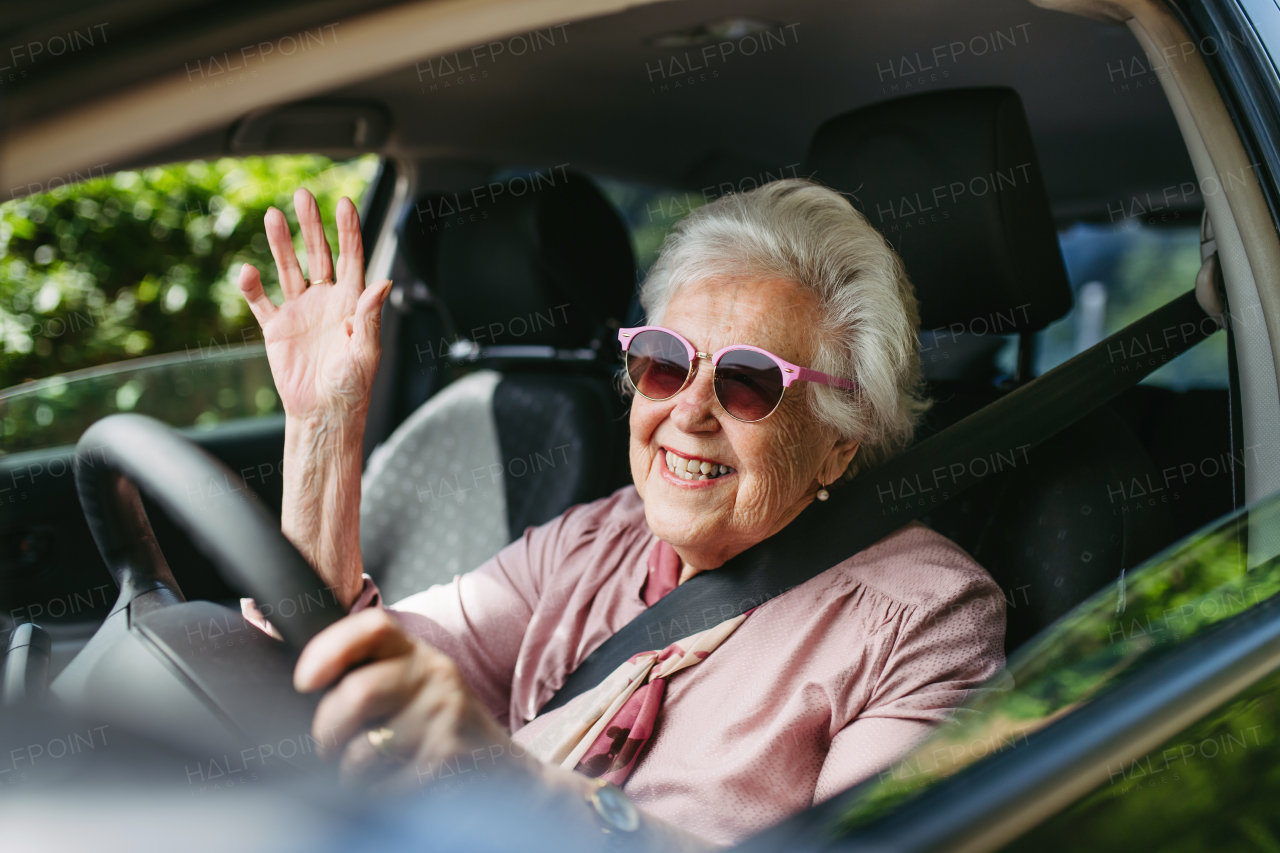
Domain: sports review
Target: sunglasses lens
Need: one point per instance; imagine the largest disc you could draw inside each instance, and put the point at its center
(748, 384)
(658, 364)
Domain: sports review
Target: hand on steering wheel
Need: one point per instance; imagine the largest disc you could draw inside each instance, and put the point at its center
(323, 343)
(400, 717)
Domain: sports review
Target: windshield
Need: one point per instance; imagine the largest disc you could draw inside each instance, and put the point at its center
(1172, 598)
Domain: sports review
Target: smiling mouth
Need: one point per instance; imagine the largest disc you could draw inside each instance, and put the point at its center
(695, 469)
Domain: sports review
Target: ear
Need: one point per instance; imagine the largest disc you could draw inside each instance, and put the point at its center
(838, 459)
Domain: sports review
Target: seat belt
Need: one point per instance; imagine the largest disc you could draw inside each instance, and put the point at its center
(877, 502)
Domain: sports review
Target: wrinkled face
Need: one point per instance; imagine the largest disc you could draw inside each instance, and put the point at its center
(772, 465)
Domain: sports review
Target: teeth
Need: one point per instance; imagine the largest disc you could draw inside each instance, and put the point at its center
(694, 469)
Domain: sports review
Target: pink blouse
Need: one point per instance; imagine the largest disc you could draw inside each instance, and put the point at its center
(823, 686)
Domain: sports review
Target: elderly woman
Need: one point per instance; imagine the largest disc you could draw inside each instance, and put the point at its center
(720, 734)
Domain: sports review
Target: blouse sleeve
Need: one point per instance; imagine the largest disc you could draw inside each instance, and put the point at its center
(940, 655)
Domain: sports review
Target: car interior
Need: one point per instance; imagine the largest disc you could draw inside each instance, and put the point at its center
(515, 256)
(539, 389)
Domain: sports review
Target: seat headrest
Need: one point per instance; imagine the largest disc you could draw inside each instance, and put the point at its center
(952, 180)
(540, 261)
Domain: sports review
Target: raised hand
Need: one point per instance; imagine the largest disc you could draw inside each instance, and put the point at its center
(323, 343)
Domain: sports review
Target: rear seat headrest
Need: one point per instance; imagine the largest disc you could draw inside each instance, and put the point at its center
(952, 180)
(546, 261)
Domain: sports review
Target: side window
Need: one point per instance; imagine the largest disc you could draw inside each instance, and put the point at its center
(1173, 797)
(1169, 601)
(1120, 272)
(119, 294)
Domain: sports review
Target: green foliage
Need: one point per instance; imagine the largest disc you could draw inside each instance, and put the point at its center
(1210, 787)
(139, 263)
(202, 387)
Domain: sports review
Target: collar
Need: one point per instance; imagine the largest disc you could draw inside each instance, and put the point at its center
(664, 573)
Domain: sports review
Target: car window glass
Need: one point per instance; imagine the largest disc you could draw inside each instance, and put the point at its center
(1174, 797)
(1120, 272)
(1169, 600)
(119, 293)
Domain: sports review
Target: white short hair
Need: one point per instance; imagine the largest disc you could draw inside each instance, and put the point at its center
(803, 232)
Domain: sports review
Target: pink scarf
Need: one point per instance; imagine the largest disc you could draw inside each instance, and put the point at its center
(602, 732)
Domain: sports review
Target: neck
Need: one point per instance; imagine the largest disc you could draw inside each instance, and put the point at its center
(714, 559)
(686, 571)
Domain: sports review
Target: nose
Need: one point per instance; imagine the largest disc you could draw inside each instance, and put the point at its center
(696, 407)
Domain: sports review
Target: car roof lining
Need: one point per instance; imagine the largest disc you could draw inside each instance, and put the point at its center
(163, 109)
(587, 102)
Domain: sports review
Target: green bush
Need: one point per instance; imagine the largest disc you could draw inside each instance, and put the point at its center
(141, 263)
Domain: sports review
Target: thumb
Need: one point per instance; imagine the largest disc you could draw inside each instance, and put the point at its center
(367, 324)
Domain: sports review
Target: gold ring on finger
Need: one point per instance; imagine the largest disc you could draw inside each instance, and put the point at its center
(380, 739)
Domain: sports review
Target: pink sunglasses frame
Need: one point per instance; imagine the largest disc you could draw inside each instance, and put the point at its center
(790, 372)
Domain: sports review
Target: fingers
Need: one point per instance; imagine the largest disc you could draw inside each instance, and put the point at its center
(404, 732)
(319, 257)
(368, 635)
(251, 286)
(429, 717)
(365, 696)
(249, 610)
(350, 245)
(281, 242)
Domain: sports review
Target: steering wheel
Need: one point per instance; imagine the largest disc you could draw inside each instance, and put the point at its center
(195, 673)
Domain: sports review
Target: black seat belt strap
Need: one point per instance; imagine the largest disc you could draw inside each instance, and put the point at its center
(883, 499)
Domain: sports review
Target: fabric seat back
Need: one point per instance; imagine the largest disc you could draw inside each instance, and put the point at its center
(531, 423)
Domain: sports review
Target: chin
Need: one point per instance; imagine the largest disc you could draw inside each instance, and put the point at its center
(671, 525)
(680, 516)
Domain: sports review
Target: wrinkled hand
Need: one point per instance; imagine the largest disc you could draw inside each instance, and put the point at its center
(323, 343)
(403, 685)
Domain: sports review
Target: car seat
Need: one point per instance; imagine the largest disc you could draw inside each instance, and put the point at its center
(529, 295)
(953, 182)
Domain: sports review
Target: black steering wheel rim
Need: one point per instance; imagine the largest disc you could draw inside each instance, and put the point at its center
(125, 455)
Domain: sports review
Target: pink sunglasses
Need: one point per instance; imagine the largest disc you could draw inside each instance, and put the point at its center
(749, 382)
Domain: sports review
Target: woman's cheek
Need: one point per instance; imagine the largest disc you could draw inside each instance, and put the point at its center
(639, 450)
(782, 460)
(767, 489)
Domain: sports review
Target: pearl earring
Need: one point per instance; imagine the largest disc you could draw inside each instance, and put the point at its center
(823, 494)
